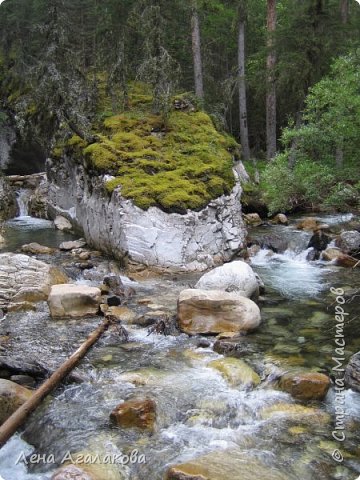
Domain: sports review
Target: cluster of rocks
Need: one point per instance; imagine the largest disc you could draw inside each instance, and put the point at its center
(341, 248)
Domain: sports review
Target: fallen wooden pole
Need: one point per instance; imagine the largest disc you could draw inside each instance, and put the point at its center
(9, 427)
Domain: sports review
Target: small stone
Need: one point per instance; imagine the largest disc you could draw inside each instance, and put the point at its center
(36, 249)
(71, 245)
(305, 385)
(123, 314)
(253, 219)
(62, 224)
(113, 301)
(137, 413)
(203, 343)
(280, 219)
(309, 223)
(144, 301)
(84, 255)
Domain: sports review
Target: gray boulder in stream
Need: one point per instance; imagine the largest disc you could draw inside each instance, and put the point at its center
(237, 277)
(349, 242)
(352, 373)
(215, 311)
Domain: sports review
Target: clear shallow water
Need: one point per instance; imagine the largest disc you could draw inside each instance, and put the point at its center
(198, 411)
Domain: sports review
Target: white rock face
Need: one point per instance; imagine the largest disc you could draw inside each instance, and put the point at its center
(216, 311)
(73, 301)
(194, 241)
(23, 277)
(237, 277)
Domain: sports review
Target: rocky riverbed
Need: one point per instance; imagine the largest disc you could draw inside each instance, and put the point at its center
(218, 406)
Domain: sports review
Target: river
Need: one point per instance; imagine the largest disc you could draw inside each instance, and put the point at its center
(198, 412)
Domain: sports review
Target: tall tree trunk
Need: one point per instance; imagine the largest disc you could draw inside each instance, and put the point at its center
(344, 11)
(271, 90)
(196, 49)
(244, 135)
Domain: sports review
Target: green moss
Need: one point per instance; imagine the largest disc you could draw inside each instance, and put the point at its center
(180, 166)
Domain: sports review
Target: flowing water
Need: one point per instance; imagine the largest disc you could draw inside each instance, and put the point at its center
(197, 410)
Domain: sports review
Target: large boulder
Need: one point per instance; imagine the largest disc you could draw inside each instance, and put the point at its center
(305, 385)
(237, 277)
(216, 311)
(137, 413)
(74, 301)
(12, 396)
(349, 242)
(352, 372)
(192, 241)
(23, 279)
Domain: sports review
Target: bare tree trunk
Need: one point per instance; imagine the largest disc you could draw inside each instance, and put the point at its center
(344, 11)
(9, 427)
(244, 134)
(339, 156)
(196, 49)
(271, 90)
(294, 143)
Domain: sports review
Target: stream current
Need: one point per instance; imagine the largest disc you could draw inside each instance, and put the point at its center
(198, 412)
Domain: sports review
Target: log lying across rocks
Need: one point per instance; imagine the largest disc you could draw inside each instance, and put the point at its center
(9, 427)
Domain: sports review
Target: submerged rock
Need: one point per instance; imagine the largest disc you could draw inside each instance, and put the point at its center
(88, 471)
(236, 372)
(237, 277)
(305, 385)
(12, 396)
(216, 311)
(74, 301)
(36, 249)
(352, 372)
(228, 465)
(137, 413)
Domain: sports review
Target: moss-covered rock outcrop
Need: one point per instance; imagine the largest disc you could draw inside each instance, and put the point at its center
(178, 163)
